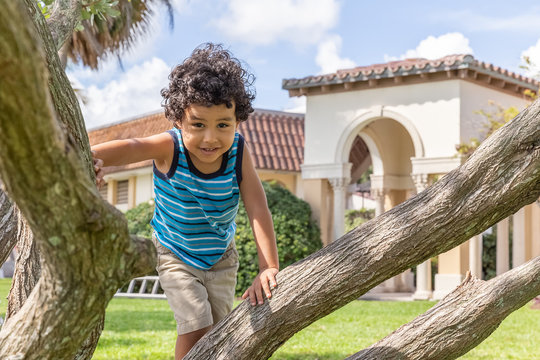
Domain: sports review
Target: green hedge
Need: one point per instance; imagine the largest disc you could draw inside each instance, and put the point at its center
(355, 218)
(139, 219)
(297, 235)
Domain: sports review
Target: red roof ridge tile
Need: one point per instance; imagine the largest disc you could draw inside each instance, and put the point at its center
(411, 66)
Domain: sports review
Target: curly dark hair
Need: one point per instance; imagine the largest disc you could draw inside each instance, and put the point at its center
(210, 76)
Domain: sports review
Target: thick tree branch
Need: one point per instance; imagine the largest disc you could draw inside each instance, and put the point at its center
(64, 100)
(84, 243)
(8, 226)
(27, 269)
(462, 320)
(502, 176)
(64, 17)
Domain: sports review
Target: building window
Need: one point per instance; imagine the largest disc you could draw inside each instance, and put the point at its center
(103, 191)
(122, 192)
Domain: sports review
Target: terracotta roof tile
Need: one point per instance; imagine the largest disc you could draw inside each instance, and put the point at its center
(411, 67)
(275, 138)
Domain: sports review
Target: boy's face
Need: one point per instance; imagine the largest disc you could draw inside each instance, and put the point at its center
(208, 133)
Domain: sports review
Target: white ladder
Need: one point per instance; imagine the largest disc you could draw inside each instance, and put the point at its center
(145, 291)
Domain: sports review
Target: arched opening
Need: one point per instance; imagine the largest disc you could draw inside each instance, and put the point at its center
(385, 146)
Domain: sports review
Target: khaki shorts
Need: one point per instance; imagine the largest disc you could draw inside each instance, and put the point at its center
(198, 298)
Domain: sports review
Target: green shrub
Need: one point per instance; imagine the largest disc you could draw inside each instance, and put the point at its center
(139, 219)
(489, 255)
(297, 235)
(354, 218)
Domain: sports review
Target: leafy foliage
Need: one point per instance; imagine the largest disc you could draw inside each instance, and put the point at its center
(100, 8)
(355, 218)
(489, 252)
(297, 235)
(496, 118)
(90, 9)
(139, 219)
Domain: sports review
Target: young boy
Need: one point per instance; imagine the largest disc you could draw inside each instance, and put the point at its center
(201, 167)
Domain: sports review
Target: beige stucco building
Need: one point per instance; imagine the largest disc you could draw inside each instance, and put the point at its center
(410, 115)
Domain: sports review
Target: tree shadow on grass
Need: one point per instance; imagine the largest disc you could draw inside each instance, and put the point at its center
(376, 353)
(105, 342)
(310, 356)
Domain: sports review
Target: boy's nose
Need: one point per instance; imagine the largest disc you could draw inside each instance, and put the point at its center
(209, 136)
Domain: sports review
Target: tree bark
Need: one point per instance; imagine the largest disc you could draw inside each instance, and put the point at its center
(87, 252)
(65, 15)
(502, 176)
(27, 269)
(63, 20)
(9, 225)
(462, 320)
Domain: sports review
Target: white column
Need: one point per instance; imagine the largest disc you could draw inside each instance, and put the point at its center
(339, 186)
(423, 271)
(502, 248)
(423, 281)
(378, 194)
(475, 256)
(518, 238)
(379, 197)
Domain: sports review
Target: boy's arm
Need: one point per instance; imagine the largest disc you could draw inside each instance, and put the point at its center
(159, 148)
(263, 230)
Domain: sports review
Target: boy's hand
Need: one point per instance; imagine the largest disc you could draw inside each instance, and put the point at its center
(260, 285)
(98, 164)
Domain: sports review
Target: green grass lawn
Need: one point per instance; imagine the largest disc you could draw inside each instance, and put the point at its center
(145, 329)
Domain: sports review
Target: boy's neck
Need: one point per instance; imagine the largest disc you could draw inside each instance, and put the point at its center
(206, 168)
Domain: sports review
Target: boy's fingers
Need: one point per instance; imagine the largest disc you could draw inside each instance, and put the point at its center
(245, 295)
(258, 293)
(252, 297)
(273, 282)
(266, 288)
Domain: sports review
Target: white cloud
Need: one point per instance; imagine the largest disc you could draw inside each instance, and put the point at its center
(134, 92)
(296, 105)
(262, 22)
(328, 57)
(533, 53)
(436, 47)
(180, 5)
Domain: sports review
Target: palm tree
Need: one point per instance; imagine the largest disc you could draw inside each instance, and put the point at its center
(107, 35)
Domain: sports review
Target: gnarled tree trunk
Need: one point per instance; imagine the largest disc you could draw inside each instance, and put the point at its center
(9, 226)
(60, 25)
(86, 250)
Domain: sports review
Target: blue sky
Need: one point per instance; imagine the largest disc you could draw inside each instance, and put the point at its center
(281, 39)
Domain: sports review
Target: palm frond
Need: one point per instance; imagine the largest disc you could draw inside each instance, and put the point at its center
(107, 35)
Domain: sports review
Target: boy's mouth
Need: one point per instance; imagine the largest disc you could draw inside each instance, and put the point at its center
(209, 150)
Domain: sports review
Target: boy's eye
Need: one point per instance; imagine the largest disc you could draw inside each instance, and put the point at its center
(223, 125)
(198, 125)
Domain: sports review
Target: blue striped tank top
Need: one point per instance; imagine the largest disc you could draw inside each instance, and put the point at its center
(195, 212)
